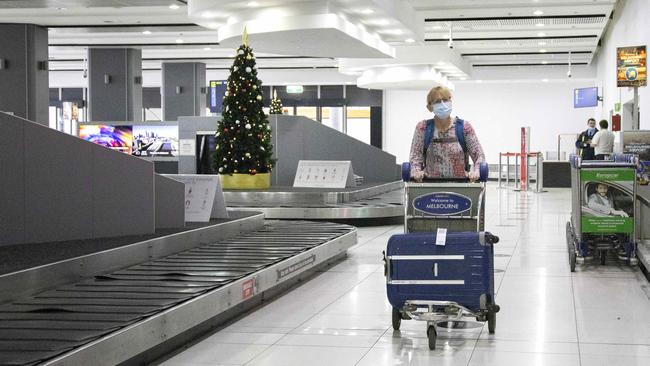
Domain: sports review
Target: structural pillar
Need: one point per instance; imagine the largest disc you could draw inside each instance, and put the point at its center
(114, 85)
(183, 90)
(24, 72)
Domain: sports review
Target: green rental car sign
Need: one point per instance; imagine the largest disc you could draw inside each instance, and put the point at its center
(606, 209)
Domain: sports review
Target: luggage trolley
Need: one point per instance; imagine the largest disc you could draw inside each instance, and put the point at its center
(437, 279)
(603, 204)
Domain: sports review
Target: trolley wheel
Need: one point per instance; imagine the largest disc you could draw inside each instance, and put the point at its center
(492, 321)
(603, 256)
(397, 319)
(431, 334)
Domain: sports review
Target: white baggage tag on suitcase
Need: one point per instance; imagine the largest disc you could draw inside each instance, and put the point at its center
(441, 236)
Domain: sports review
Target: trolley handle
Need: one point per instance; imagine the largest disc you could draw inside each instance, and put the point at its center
(483, 175)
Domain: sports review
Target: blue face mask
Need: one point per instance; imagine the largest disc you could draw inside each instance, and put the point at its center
(442, 110)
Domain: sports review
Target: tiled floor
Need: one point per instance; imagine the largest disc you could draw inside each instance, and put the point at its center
(549, 316)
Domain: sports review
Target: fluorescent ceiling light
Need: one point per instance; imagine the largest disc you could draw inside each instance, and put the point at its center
(463, 78)
(253, 4)
(539, 24)
(174, 7)
(179, 41)
(538, 13)
(206, 48)
(545, 80)
(541, 34)
(147, 32)
(544, 62)
(367, 11)
(541, 43)
(409, 40)
(543, 50)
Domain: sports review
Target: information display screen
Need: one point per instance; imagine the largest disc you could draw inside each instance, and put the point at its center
(585, 97)
(119, 138)
(155, 140)
(217, 91)
(631, 66)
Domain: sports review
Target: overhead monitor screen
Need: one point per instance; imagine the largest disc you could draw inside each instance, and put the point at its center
(217, 91)
(119, 138)
(585, 97)
(155, 140)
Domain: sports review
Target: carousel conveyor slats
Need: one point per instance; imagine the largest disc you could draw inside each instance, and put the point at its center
(71, 319)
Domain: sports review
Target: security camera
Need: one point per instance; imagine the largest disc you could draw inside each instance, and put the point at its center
(568, 74)
(450, 44)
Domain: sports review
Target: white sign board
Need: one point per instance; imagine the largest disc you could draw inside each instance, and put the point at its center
(324, 174)
(202, 192)
(187, 147)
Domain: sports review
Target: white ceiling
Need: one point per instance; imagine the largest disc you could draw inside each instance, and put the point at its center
(488, 34)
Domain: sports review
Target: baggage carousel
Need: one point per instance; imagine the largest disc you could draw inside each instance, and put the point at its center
(116, 306)
(368, 201)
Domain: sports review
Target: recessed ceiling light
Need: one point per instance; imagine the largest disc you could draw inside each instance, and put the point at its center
(146, 33)
(409, 40)
(253, 4)
(543, 50)
(174, 7)
(541, 34)
(179, 41)
(367, 11)
(538, 13)
(539, 24)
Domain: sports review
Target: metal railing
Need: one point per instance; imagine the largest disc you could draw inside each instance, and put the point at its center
(518, 185)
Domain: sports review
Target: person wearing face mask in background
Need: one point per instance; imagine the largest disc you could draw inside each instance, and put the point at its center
(442, 146)
(583, 143)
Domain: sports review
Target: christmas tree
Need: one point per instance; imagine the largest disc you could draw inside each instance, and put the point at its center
(276, 104)
(243, 138)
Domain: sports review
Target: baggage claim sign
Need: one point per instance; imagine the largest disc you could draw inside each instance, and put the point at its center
(631, 66)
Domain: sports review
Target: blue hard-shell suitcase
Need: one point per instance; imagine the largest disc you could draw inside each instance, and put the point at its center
(461, 271)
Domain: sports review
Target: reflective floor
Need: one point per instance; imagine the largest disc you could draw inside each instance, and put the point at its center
(599, 315)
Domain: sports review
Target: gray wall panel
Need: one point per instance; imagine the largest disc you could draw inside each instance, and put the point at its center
(12, 187)
(56, 187)
(25, 90)
(58, 198)
(123, 194)
(170, 202)
(299, 138)
(191, 101)
(121, 99)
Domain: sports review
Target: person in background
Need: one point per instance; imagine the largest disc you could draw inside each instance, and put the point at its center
(583, 143)
(441, 146)
(603, 141)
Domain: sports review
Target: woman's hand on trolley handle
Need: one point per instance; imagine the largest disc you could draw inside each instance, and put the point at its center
(472, 175)
(418, 176)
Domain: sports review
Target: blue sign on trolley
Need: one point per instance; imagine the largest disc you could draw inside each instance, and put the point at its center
(442, 203)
